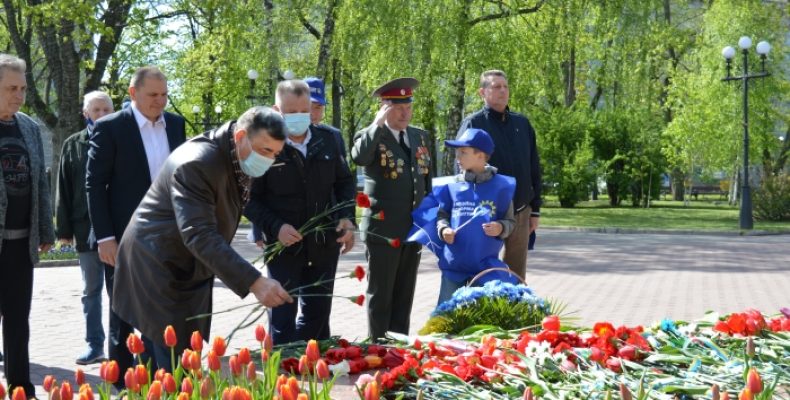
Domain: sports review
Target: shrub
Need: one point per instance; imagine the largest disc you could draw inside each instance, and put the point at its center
(772, 199)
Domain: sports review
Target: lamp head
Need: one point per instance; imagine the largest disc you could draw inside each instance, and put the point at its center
(745, 42)
(728, 52)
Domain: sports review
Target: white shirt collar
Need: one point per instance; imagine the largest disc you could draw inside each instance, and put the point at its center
(141, 119)
(396, 134)
(302, 147)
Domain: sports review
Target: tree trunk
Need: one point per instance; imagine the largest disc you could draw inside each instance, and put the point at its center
(455, 114)
(325, 46)
(569, 78)
(677, 178)
(270, 85)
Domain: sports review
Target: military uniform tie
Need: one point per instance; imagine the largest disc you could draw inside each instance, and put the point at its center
(403, 145)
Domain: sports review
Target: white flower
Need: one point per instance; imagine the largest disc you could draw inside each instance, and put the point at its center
(340, 369)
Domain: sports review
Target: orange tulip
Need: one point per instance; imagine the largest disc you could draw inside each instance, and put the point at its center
(244, 356)
(219, 346)
(746, 394)
(206, 388)
(183, 396)
(155, 391)
(268, 343)
(302, 396)
(304, 365)
(321, 369)
(141, 374)
(528, 395)
(170, 336)
(251, 374)
(194, 361)
(54, 394)
(286, 392)
(130, 381)
(312, 351)
(66, 393)
(372, 391)
(186, 361)
(18, 393)
(135, 344)
(213, 361)
(87, 390)
(49, 381)
(186, 386)
(169, 383)
(159, 374)
(294, 385)
(111, 372)
(235, 367)
(260, 333)
(754, 382)
(264, 356)
(373, 361)
(196, 341)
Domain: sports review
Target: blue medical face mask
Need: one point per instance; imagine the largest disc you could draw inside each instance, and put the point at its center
(255, 165)
(296, 123)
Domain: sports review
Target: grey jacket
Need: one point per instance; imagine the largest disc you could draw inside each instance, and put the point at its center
(41, 208)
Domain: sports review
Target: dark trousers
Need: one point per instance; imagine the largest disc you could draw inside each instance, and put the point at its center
(16, 294)
(391, 283)
(292, 271)
(515, 252)
(118, 332)
(158, 355)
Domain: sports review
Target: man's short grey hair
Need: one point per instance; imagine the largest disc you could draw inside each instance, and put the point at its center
(138, 78)
(261, 118)
(95, 96)
(296, 87)
(487, 74)
(11, 63)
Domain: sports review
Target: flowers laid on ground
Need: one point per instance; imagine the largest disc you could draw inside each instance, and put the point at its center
(672, 359)
(496, 303)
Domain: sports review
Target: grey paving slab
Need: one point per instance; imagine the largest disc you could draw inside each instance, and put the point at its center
(625, 279)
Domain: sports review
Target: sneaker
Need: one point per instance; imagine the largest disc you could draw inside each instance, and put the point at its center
(91, 356)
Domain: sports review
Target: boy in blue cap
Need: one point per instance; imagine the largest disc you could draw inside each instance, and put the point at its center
(475, 214)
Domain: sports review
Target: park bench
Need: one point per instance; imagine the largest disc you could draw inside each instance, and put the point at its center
(706, 189)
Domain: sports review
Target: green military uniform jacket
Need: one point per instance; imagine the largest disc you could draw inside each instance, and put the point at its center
(393, 184)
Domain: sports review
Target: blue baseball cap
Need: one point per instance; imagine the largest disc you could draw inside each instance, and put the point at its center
(473, 137)
(316, 90)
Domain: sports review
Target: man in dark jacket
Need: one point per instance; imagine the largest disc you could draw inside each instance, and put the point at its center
(301, 184)
(179, 237)
(516, 155)
(72, 222)
(127, 150)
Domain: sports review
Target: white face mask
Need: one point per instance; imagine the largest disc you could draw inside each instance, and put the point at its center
(255, 165)
(297, 123)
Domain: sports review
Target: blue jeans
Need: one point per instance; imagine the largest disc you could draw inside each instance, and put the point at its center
(93, 279)
(448, 288)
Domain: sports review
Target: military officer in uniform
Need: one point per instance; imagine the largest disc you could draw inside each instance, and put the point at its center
(397, 169)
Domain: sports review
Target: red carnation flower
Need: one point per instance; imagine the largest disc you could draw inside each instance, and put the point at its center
(363, 201)
(394, 242)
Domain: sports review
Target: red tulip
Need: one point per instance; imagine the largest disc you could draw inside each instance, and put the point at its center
(551, 323)
(724, 396)
(714, 392)
(219, 346)
(754, 382)
(251, 374)
(235, 367)
(359, 273)
(186, 386)
(130, 381)
(65, 391)
(625, 394)
(196, 341)
(185, 359)
(627, 352)
(142, 374)
(183, 396)
(2, 391)
(155, 391)
(225, 394)
(268, 343)
(394, 242)
(206, 388)
(170, 336)
(79, 376)
(363, 201)
(746, 394)
(528, 395)
(213, 361)
(194, 361)
(112, 372)
(321, 369)
(49, 381)
(614, 364)
(372, 391)
(312, 351)
(54, 394)
(134, 344)
(169, 383)
(264, 356)
(244, 356)
(18, 393)
(260, 333)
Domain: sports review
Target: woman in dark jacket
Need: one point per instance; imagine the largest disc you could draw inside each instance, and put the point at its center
(25, 219)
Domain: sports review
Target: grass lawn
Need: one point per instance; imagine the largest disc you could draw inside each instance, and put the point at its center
(704, 214)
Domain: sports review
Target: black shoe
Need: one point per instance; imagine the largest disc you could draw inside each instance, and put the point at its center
(91, 356)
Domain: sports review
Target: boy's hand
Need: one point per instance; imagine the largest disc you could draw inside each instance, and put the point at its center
(448, 235)
(492, 228)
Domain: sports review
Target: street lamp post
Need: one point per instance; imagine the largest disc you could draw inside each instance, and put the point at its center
(252, 75)
(208, 122)
(746, 220)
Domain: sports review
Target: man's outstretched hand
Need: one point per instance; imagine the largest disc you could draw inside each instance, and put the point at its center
(269, 292)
